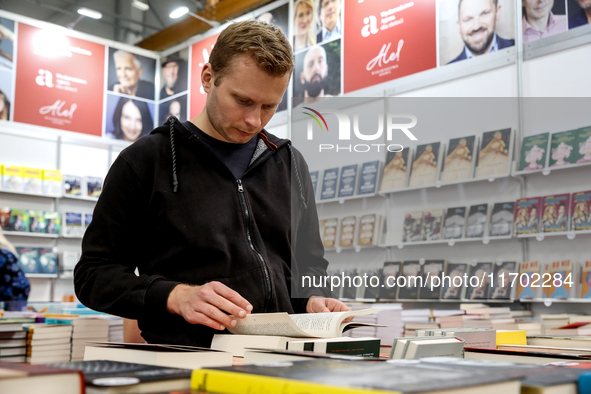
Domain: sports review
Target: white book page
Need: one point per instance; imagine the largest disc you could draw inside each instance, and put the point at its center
(279, 324)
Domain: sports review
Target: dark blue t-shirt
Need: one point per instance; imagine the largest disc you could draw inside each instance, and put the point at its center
(235, 156)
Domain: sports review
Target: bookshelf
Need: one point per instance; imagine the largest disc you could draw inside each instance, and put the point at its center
(450, 242)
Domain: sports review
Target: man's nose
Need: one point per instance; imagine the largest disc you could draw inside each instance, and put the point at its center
(253, 118)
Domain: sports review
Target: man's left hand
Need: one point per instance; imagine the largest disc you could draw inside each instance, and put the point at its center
(323, 305)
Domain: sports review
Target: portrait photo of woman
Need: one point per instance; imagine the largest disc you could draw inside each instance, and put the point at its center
(305, 25)
(131, 119)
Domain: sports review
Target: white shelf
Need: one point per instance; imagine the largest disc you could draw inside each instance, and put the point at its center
(81, 198)
(28, 194)
(550, 301)
(440, 184)
(548, 170)
(41, 275)
(397, 301)
(450, 242)
(567, 234)
(356, 248)
(72, 236)
(342, 200)
(34, 235)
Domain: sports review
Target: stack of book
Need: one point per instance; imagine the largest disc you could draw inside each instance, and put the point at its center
(48, 343)
(369, 330)
(417, 319)
(13, 340)
(84, 329)
(115, 328)
(390, 316)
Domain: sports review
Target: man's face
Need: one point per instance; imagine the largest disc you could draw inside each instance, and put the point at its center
(561, 210)
(175, 109)
(331, 9)
(170, 73)
(537, 9)
(315, 71)
(476, 23)
(584, 3)
(533, 213)
(245, 100)
(131, 121)
(127, 73)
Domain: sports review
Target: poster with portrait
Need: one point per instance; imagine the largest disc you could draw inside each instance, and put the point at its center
(388, 39)
(579, 13)
(59, 81)
(7, 38)
(131, 74)
(317, 72)
(469, 28)
(543, 19)
(174, 73)
(175, 106)
(199, 57)
(128, 118)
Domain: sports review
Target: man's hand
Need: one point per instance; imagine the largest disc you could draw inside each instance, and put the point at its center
(322, 305)
(118, 88)
(204, 304)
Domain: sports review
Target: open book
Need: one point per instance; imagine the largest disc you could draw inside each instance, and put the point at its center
(302, 325)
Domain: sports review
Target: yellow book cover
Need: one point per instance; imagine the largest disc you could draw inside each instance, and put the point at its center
(12, 178)
(33, 180)
(52, 182)
(511, 337)
(586, 280)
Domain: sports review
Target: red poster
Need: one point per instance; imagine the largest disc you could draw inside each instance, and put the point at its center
(387, 39)
(199, 56)
(59, 81)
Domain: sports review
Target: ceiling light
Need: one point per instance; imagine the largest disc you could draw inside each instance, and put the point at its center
(140, 5)
(179, 12)
(90, 13)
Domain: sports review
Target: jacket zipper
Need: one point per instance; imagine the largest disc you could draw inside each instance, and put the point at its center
(262, 262)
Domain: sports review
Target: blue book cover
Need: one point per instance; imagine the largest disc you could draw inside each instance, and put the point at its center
(329, 184)
(368, 182)
(314, 177)
(348, 180)
(47, 261)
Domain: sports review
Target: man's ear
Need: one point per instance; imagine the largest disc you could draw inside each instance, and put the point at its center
(207, 77)
(498, 12)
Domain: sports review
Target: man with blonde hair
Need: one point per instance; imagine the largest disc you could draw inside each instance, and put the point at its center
(217, 214)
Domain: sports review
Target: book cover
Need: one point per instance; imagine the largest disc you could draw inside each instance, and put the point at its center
(586, 280)
(347, 234)
(33, 180)
(372, 287)
(52, 183)
(495, 153)
(19, 220)
(337, 287)
(555, 213)
(527, 215)
(432, 224)
(363, 347)
(412, 227)
(561, 284)
(12, 178)
(37, 223)
(5, 219)
(528, 273)
(459, 162)
(348, 181)
(349, 288)
(452, 283)
(368, 230)
(396, 170)
(314, 178)
(53, 222)
(330, 180)
(330, 232)
(425, 165)
(94, 186)
(28, 259)
(581, 211)
(73, 224)
(390, 273)
(368, 181)
(501, 286)
(478, 289)
(87, 220)
(40, 378)
(533, 152)
(584, 145)
(431, 268)
(476, 223)
(455, 221)
(409, 283)
(561, 148)
(47, 263)
(72, 185)
(501, 219)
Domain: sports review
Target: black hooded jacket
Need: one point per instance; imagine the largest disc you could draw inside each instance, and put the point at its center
(213, 228)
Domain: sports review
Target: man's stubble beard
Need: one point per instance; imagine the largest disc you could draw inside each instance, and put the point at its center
(483, 48)
(315, 88)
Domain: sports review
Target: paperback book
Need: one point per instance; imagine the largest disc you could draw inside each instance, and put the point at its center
(33, 180)
(533, 152)
(452, 288)
(349, 288)
(562, 281)
(431, 268)
(348, 181)
(369, 229)
(5, 219)
(73, 224)
(52, 183)
(19, 220)
(425, 165)
(476, 223)
(561, 148)
(501, 288)
(408, 285)
(455, 221)
(94, 186)
(527, 215)
(555, 213)
(330, 180)
(330, 232)
(396, 170)
(369, 290)
(529, 276)
(390, 273)
(586, 280)
(53, 223)
(501, 219)
(28, 259)
(72, 185)
(479, 290)
(413, 226)
(584, 145)
(459, 162)
(12, 178)
(37, 222)
(314, 178)
(368, 181)
(581, 211)
(495, 153)
(432, 224)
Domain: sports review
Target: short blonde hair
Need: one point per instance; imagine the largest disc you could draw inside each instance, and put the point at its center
(311, 32)
(4, 244)
(266, 44)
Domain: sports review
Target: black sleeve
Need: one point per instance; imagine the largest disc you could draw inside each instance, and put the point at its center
(104, 278)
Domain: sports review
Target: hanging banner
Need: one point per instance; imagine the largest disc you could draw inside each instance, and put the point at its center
(59, 81)
(386, 40)
(199, 57)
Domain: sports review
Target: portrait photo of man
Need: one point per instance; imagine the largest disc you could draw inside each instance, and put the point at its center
(484, 26)
(131, 74)
(542, 18)
(173, 77)
(579, 13)
(318, 72)
(330, 20)
(176, 107)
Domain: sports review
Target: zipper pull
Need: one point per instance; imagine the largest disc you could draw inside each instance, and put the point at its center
(240, 188)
